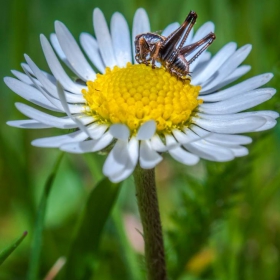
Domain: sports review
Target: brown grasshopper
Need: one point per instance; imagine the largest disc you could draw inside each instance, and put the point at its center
(170, 51)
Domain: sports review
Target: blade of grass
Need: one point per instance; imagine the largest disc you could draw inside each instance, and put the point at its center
(94, 167)
(9, 250)
(80, 262)
(34, 261)
(126, 253)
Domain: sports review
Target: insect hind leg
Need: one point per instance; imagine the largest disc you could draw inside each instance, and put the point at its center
(204, 43)
(169, 48)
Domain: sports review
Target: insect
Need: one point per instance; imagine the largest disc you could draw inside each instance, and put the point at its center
(170, 51)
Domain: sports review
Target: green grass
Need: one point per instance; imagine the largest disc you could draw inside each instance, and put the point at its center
(220, 220)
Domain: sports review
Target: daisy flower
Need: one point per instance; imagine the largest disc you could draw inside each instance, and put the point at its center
(134, 112)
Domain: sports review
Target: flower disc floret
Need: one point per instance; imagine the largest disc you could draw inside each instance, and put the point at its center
(137, 93)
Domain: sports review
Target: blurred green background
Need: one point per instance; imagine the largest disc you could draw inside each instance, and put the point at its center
(220, 220)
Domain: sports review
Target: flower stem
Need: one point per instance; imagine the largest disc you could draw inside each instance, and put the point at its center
(149, 212)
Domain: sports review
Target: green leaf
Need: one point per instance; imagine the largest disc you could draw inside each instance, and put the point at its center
(83, 253)
(127, 254)
(34, 261)
(7, 251)
(94, 166)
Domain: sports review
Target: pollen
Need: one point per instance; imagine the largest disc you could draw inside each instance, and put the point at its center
(137, 93)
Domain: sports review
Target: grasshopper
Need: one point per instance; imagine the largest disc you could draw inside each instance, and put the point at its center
(170, 51)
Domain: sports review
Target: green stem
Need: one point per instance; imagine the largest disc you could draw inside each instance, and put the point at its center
(149, 212)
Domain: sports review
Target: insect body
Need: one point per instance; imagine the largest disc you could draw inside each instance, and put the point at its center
(170, 51)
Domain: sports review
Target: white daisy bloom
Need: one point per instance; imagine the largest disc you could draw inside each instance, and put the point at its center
(133, 111)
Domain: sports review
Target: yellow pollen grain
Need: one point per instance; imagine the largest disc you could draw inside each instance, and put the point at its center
(137, 93)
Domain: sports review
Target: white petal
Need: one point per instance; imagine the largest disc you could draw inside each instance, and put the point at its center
(59, 51)
(64, 103)
(45, 118)
(96, 130)
(74, 108)
(26, 67)
(38, 85)
(200, 59)
(148, 157)
(90, 47)
(199, 132)
(200, 63)
(121, 39)
(123, 174)
(116, 160)
(271, 114)
(57, 141)
(236, 74)
(133, 150)
(210, 151)
(184, 138)
(73, 52)
(204, 30)
(215, 63)
(270, 123)
(116, 178)
(30, 124)
(49, 86)
(29, 93)
(170, 28)
(228, 67)
(171, 143)
(240, 151)
(146, 130)
(183, 156)
(245, 86)
(238, 103)
(157, 144)
(37, 73)
(88, 145)
(120, 131)
(237, 116)
(57, 69)
(22, 77)
(180, 154)
(228, 139)
(103, 38)
(201, 32)
(141, 24)
(243, 125)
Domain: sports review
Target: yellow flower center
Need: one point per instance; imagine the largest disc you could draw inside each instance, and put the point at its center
(137, 93)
